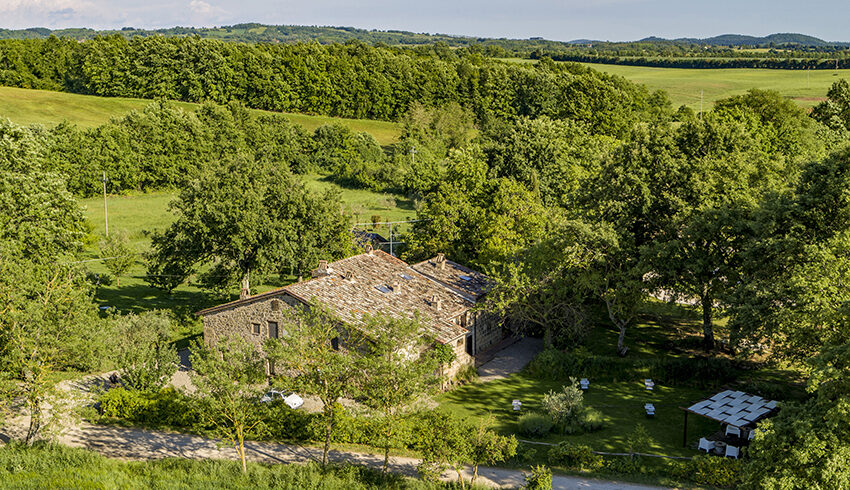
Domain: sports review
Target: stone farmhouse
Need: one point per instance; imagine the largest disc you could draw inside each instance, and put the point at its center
(443, 293)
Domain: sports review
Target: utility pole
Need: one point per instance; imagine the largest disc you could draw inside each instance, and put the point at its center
(105, 212)
(700, 103)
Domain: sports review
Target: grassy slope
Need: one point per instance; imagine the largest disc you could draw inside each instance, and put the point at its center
(684, 85)
(24, 106)
(61, 467)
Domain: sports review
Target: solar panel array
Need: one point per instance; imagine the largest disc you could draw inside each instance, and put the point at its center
(734, 408)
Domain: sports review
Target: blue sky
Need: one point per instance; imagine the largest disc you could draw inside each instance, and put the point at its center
(552, 19)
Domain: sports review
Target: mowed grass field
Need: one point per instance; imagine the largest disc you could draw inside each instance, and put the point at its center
(25, 106)
(684, 85)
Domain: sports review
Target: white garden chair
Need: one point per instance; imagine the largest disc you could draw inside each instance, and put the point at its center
(649, 384)
(650, 409)
(732, 452)
(585, 383)
(731, 430)
(517, 405)
(706, 445)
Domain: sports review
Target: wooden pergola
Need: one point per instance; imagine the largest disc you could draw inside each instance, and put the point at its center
(734, 408)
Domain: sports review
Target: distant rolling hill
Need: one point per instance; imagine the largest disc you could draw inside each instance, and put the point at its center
(255, 32)
(743, 40)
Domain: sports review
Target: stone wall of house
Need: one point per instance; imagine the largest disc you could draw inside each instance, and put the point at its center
(488, 331)
(461, 358)
(240, 319)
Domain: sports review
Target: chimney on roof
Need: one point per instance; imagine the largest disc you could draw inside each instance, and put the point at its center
(323, 269)
(349, 276)
(245, 292)
(440, 261)
(436, 302)
(396, 285)
(369, 247)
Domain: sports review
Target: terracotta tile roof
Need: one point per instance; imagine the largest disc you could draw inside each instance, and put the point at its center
(377, 282)
(464, 280)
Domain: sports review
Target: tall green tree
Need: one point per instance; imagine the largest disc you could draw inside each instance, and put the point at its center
(320, 358)
(806, 444)
(398, 369)
(48, 323)
(226, 376)
(143, 352)
(488, 447)
(40, 215)
(246, 218)
(477, 220)
(117, 254)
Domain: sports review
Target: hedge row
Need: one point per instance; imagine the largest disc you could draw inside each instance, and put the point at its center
(695, 372)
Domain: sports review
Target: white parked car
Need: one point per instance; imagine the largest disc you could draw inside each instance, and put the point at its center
(291, 399)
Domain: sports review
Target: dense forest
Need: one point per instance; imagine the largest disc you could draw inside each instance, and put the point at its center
(352, 80)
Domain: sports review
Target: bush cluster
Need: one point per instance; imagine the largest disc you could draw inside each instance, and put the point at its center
(575, 456)
(534, 424)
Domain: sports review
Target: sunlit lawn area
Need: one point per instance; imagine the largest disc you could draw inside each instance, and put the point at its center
(26, 106)
(621, 403)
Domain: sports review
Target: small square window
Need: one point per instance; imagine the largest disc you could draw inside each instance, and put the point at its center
(407, 277)
(255, 328)
(466, 278)
(383, 288)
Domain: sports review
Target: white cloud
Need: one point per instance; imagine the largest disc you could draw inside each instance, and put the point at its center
(200, 7)
(43, 6)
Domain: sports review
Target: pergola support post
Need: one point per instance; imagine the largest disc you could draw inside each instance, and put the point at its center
(685, 430)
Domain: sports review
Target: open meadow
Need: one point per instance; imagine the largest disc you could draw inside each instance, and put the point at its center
(684, 85)
(25, 106)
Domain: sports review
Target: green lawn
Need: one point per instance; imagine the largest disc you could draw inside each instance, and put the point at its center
(25, 106)
(621, 403)
(137, 214)
(684, 85)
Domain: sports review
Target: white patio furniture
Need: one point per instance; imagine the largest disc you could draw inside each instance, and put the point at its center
(517, 405)
(649, 384)
(706, 445)
(650, 409)
(585, 383)
(732, 452)
(731, 430)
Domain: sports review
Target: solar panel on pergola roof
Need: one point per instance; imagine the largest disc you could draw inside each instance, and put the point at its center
(734, 408)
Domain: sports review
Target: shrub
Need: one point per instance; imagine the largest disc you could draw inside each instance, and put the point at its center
(566, 406)
(535, 424)
(591, 420)
(167, 407)
(639, 440)
(123, 403)
(708, 470)
(577, 456)
(466, 374)
(623, 466)
(540, 478)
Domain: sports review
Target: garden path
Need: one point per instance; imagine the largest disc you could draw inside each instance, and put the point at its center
(510, 360)
(140, 444)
